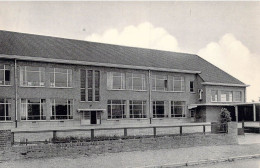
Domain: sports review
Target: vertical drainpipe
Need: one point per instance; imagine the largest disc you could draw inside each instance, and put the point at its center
(15, 83)
(150, 92)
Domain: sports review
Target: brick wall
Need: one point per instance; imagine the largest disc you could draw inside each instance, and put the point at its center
(5, 139)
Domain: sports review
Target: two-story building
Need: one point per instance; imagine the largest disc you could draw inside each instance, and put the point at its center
(48, 81)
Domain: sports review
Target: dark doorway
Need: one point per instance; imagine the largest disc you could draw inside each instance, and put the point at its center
(245, 113)
(93, 119)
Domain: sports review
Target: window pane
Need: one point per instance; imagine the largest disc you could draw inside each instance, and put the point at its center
(2, 80)
(60, 80)
(178, 109)
(97, 85)
(116, 109)
(214, 96)
(158, 109)
(191, 86)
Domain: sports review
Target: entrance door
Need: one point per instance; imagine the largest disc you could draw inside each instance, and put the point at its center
(93, 117)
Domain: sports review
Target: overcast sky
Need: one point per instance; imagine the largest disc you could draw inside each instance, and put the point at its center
(226, 34)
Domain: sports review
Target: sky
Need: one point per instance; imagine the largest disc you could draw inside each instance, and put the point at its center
(226, 34)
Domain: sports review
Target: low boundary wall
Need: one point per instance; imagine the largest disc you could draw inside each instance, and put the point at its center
(127, 145)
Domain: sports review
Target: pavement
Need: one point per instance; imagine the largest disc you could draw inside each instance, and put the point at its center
(248, 147)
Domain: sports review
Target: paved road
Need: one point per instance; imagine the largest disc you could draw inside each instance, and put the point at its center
(251, 163)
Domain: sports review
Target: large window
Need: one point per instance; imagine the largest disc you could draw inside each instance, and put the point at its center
(237, 96)
(214, 96)
(92, 83)
(159, 83)
(116, 109)
(158, 109)
(5, 109)
(115, 80)
(33, 109)
(61, 109)
(178, 84)
(137, 109)
(32, 76)
(226, 96)
(5, 74)
(135, 81)
(61, 77)
(178, 109)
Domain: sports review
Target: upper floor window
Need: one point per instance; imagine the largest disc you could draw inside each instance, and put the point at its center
(191, 86)
(33, 109)
(5, 109)
(214, 96)
(5, 74)
(32, 76)
(178, 109)
(115, 80)
(137, 109)
(61, 77)
(135, 81)
(226, 96)
(158, 109)
(178, 84)
(237, 96)
(159, 83)
(61, 109)
(90, 85)
(116, 109)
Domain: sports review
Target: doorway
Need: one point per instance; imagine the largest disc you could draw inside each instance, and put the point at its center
(93, 117)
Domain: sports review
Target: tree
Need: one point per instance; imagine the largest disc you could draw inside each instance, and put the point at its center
(223, 119)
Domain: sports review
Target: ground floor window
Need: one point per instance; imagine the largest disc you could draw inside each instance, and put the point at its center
(158, 109)
(33, 109)
(61, 109)
(116, 109)
(5, 107)
(137, 109)
(178, 109)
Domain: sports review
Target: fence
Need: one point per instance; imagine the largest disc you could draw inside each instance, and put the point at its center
(99, 134)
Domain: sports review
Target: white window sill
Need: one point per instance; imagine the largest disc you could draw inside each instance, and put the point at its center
(6, 85)
(168, 91)
(61, 87)
(127, 90)
(31, 86)
(6, 121)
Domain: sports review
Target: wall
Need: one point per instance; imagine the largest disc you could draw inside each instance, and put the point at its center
(105, 94)
(99, 147)
(5, 139)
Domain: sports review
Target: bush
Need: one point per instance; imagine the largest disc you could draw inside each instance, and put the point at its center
(223, 119)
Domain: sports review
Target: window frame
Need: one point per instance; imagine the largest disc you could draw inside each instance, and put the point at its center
(68, 74)
(183, 105)
(130, 76)
(111, 104)
(155, 105)
(5, 104)
(69, 105)
(182, 83)
(133, 103)
(226, 97)
(4, 75)
(192, 89)
(154, 79)
(234, 98)
(42, 117)
(211, 96)
(23, 76)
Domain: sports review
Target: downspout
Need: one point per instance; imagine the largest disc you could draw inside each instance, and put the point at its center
(150, 93)
(15, 83)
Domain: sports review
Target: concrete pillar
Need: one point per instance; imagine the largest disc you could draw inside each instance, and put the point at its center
(236, 113)
(254, 112)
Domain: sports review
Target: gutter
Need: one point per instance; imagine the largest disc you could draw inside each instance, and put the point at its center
(224, 84)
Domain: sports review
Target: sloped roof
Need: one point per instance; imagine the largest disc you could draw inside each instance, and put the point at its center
(21, 44)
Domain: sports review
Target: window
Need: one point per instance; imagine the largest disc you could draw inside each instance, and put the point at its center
(93, 85)
(82, 85)
(226, 96)
(177, 109)
(33, 109)
(5, 74)
(214, 96)
(159, 83)
(5, 109)
(192, 113)
(137, 109)
(116, 109)
(61, 77)
(178, 84)
(237, 96)
(32, 76)
(191, 86)
(158, 109)
(135, 81)
(61, 109)
(115, 80)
